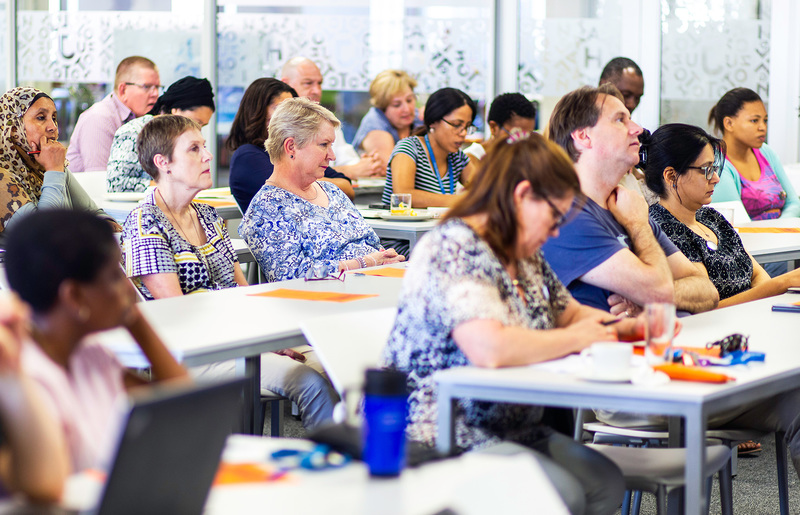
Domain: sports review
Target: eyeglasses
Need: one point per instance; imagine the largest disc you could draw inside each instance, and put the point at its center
(148, 87)
(339, 277)
(708, 170)
(461, 126)
(560, 217)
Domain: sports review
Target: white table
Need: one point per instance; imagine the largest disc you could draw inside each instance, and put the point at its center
(772, 247)
(120, 210)
(393, 229)
(475, 483)
(695, 402)
(229, 324)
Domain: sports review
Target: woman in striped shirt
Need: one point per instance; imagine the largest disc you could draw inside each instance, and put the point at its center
(430, 163)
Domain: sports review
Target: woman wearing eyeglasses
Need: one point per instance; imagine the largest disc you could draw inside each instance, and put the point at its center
(430, 164)
(682, 167)
(480, 293)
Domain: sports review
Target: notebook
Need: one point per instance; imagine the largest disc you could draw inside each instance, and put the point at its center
(169, 451)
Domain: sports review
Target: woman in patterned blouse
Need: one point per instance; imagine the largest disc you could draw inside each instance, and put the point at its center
(173, 246)
(296, 225)
(682, 166)
(478, 292)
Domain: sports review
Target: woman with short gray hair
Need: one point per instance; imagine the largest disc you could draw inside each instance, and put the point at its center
(297, 226)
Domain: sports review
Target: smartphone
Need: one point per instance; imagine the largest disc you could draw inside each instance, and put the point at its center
(793, 289)
(386, 206)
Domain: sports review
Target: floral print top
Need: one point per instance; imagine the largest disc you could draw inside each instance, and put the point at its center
(292, 238)
(453, 278)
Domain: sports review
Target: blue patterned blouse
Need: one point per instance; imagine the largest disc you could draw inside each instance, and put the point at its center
(152, 245)
(454, 278)
(292, 238)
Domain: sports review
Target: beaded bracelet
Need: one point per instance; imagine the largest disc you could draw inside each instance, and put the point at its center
(362, 261)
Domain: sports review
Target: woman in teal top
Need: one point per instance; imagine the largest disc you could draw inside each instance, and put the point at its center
(753, 172)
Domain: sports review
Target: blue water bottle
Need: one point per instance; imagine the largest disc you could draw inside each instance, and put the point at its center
(385, 410)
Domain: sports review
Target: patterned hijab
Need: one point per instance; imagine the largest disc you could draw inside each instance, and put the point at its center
(20, 175)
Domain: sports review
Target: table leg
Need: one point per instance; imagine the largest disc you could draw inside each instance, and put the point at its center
(445, 441)
(677, 438)
(412, 240)
(253, 424)
(696, 422)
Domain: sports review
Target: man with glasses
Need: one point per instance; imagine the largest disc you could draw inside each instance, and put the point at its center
(136, 89)
(611, 256)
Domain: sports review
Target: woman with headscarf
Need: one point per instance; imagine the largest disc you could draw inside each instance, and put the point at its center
(33, 164)
(190, 97)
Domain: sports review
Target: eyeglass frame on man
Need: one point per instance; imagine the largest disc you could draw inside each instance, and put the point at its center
(469, 128)
(147, 87)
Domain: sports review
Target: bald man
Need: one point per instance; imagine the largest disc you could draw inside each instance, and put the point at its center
(305, 77)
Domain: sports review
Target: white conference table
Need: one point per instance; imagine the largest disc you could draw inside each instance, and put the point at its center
(232, 324)
(516, 483)
(695, 402)
(772, 247)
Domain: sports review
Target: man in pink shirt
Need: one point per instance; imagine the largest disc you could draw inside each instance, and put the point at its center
(136, 89)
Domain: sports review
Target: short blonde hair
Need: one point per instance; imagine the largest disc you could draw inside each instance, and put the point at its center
(386, 85)
(298, 118)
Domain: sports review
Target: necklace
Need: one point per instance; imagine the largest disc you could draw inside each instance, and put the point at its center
(710, 244)
(316, 192)
(175, 219)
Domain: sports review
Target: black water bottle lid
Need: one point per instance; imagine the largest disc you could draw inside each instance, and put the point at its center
(385, 382)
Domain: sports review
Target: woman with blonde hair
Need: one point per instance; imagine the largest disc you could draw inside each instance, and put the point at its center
(392, 117)
(297, 225)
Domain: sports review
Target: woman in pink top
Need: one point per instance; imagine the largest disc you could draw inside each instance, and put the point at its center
(65, 265)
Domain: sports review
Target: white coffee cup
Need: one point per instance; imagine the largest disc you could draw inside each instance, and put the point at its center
(608, 361)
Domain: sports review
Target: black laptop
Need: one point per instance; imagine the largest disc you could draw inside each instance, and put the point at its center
(169, 451)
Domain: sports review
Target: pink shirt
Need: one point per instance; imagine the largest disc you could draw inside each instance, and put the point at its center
(90, 144)
(87, 401)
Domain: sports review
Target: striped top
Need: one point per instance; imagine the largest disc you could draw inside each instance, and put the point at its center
(425, 179)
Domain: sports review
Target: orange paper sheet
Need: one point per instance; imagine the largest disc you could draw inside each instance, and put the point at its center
(768, 230)
(215, 203)
(242, 473)
(327, 296)
(382, 272)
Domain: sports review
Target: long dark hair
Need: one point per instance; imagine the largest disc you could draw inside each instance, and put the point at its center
(729, 105)
(250, 123)
(534, 159)
(443, 102)
(675, 145)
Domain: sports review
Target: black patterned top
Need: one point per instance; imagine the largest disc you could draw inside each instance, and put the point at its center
(729, 266)
(454, 277)
(152, 245)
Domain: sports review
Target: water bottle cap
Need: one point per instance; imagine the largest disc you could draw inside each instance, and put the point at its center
(385, 382)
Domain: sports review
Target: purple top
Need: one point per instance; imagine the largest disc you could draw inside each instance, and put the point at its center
(763, 199)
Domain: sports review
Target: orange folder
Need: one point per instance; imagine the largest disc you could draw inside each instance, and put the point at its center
(241, 473)
(773, 230)
(382, 272)
(328, 296)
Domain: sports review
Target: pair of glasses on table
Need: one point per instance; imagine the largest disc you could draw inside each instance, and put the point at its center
(331, 277)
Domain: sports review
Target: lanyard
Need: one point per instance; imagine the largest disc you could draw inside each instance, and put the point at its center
(436, 169)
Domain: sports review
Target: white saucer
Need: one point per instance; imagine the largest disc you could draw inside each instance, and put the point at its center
(371, 213)
(406, 218)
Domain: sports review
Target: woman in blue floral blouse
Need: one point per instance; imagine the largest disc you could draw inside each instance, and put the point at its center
(480, 293)
(297, 226)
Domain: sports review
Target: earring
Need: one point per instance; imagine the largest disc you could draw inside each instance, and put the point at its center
(84, 313)
(291, 156)
(431, 129)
